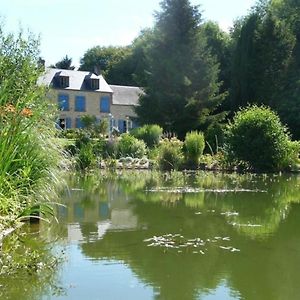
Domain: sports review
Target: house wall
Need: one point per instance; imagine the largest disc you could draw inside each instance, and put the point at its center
(119, 113)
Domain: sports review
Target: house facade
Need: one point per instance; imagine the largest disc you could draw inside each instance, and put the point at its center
(79, 93)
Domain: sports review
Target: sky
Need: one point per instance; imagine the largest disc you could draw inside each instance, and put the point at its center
(71, 27)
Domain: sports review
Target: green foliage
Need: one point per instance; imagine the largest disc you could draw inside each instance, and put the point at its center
(117, 64)
(128, 145)
(82, 140)
(86, 157)
(214, 136)
(181, 90)
(194, 145)
(65, 63)
(170, 155)
(29, 158)
(257, 137)
(150, 134)
(110, 148)
(99, 146)
(101, 128)
(266, 60)
(88, 121)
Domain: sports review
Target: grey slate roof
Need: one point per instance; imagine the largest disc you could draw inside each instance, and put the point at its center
(126, 95)
(76, 80)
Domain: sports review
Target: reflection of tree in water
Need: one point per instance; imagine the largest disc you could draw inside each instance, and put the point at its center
(32, 271)
(266, 267)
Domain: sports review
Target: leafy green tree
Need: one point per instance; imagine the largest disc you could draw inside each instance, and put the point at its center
(219, 44)
(64, 63)
(182, 88)
(114, 63)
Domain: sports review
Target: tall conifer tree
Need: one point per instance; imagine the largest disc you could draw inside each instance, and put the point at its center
(181, 87)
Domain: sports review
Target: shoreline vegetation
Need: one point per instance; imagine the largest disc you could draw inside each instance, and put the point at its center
(255, 141)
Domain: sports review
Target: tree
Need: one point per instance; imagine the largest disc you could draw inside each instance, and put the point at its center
(114, 63)
(182, 79)
(266, 60)
(65, 63)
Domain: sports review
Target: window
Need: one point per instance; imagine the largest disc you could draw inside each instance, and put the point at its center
(104, 104)
(122, 126)
(78, 123)
(63, 123)
(68, 123)
(94, 84)
(63, 102)
(79, 103)
(63, 81)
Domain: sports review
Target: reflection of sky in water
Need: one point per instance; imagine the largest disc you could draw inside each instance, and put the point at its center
(222, 292)
(104, 280)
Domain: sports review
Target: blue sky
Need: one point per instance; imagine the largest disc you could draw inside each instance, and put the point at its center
(73, 26)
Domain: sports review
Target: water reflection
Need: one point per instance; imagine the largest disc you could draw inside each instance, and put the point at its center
(110, 217)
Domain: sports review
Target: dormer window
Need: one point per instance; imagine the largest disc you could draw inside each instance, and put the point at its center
(63, 81)
(94, 84)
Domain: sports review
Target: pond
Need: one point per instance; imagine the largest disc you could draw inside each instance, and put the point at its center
(147, 235)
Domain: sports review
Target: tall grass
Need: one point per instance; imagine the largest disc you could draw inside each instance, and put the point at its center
(29, 159)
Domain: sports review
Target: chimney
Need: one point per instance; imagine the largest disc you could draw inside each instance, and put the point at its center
(97, 70)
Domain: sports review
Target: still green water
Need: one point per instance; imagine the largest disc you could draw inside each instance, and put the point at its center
(143, 235)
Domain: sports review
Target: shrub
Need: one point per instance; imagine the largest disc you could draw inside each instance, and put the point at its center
(82, 140)
(130, 146)
(214, 137)
(194, 145)
(99, 147)
(150, 134)
(110, 149)
(170, 154)
(86, 157)
(257, 137)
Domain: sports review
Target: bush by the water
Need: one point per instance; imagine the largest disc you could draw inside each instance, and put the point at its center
(194, 145)
(170, 154)
(150, 134)
(257, 137)
(128, 145)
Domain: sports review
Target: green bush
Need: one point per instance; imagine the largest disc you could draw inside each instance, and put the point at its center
(257, 138)
(130, 146)
(170, 155)
(82, 140)
(150, 134)
(99, 147)
(194, 145)
(214, 137)
(110, 149)
(86, 157)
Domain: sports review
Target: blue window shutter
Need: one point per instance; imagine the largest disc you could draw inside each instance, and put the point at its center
(68, 123)
(63, 102)
(104, 104)
(78, 123)
(79, 103)
(121, 125)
